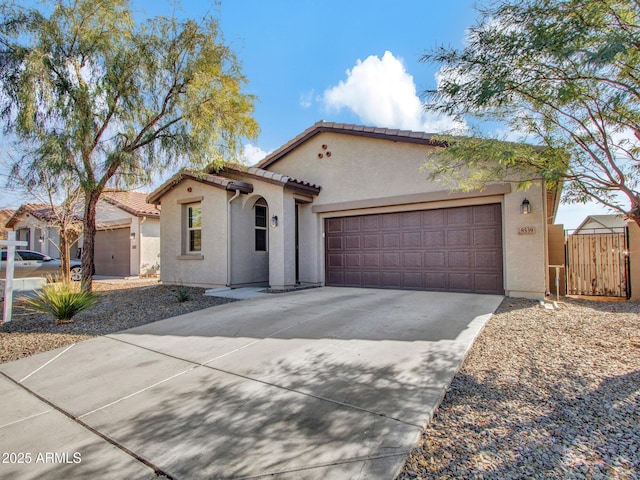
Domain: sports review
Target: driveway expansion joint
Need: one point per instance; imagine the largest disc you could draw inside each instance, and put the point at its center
(157, 470)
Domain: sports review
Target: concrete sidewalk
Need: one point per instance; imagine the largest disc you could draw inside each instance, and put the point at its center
(321, 383)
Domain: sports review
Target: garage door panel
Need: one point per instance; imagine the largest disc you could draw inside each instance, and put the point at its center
(459, 216)
(457, 249)
(334, 243)
(412, 280)
(352, 224)
(434, 239)
(435, 260)
(461, 282)
(390, 240)
(486, 214)
(486, 237)
(411, 239)
(460, 260)
(334, 225)
(459, 238)
(411, 220)
(487, 282)
(352, 260)
(435, 281)
(371, 241)
(371, 260)
(352, 242)
(390, 221)
(371, 222)
(391, 260)
(370, 279)
(487, 259)
(352, 279)
(433, 218)
(391, 279)
(412, 260)
(335, 277)
(334, 260)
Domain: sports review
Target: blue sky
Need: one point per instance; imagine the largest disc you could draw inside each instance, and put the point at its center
(353, 61)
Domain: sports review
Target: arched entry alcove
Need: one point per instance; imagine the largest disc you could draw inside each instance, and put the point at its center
(250, 242)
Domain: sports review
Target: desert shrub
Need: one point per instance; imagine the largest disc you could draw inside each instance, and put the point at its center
(62, 300)
(181, 293)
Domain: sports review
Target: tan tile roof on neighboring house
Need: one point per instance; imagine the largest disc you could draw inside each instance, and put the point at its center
(134, 203)
(392, 134)
(41, 211)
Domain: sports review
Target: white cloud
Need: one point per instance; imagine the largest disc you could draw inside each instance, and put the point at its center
(306, 98)
(382, 93)
(252, 154)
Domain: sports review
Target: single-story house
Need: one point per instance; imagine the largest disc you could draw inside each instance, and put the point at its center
(127, 242)
(348, 205)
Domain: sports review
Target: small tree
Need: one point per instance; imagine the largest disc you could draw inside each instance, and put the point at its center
(88, 91)
(563, 73)
(65, 215)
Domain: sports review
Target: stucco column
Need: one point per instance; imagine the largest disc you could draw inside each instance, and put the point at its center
(282, 259)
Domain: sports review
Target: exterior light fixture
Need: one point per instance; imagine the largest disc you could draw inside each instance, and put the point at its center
(41, 239)
(525, 208)
(274, 221)
(132, 235)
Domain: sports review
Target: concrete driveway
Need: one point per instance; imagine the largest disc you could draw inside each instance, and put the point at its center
(321, 383)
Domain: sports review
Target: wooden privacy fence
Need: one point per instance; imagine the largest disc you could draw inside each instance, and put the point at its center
(597, 264)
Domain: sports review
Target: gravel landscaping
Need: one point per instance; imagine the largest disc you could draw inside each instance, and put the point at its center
(122, 305)
(542, 394)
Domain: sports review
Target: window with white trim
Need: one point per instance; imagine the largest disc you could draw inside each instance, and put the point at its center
(194, 228)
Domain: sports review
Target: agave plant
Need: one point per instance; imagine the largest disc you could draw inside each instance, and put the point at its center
(62, 300)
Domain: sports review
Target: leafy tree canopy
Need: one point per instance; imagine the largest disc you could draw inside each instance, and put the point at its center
(87, 90)
(565, 73)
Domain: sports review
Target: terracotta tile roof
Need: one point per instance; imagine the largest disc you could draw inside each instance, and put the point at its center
(207, 178)
(392, 134)
(273, 177)
(134, 203)
(41, 211)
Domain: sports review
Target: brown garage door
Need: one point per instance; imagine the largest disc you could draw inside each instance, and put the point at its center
(453, 249)
(112, 251)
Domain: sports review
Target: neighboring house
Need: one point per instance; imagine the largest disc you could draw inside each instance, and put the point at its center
(33, 223)
(127, 242)
(346, 205)
(601, 224)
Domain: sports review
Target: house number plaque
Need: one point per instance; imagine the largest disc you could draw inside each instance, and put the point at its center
(527, 230)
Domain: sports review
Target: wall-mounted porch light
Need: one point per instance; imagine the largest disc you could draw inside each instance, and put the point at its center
(525, 208)
(41, 239)
(132, 235)
(274, 221)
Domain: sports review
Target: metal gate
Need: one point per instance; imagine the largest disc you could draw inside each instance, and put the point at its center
(597, 264)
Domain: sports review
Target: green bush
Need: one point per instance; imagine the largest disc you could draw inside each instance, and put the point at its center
(181, 293)
(62, 300)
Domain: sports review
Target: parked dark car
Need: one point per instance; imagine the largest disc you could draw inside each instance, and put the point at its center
(35, 264)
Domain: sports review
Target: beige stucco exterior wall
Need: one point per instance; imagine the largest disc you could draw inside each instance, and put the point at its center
(634, 259)
(209, 268)
(148, 258)
(364, 168)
